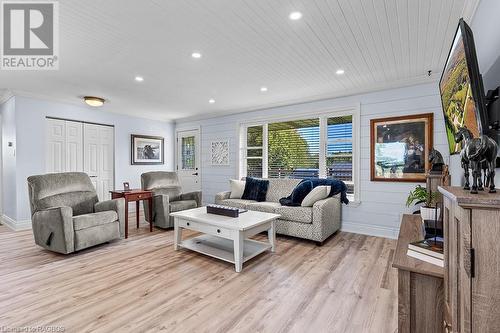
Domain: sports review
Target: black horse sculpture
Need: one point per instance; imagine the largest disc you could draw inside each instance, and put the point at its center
(477, 153)
(436, 160)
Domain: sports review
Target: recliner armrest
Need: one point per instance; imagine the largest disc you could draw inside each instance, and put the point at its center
(53, 229)
(222, 196)
(118, 205)
(196, 195)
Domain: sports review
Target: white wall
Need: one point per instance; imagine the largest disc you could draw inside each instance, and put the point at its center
(8, 157)
(30, 115)
(381, 203)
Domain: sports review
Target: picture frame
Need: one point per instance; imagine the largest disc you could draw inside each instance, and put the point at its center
(399, 148)
(147, 150)
(219, 152)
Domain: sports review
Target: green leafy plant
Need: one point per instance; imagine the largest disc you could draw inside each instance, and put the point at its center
(420, 195)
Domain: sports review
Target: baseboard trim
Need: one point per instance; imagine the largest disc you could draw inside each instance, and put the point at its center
(16, 225)
(371, 230)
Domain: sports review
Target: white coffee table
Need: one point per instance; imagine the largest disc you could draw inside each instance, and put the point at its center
(225, 238)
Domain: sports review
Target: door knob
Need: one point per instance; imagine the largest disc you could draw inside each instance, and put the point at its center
(195, 174)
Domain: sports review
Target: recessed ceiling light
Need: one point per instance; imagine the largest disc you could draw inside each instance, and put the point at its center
(196, 55)
(139, 78)
(340, 71)
(263, 89)
(211, 101)
(94, 101)
(295, 16)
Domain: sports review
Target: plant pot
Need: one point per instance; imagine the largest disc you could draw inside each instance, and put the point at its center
(429, 213)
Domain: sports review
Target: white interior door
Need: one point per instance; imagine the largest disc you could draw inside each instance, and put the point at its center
(99, 157)
(74, 146)
(64, 146)
(188, 160)
(56, 146)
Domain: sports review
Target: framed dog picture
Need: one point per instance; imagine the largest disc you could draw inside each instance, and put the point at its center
(399, 148)
(147, 150)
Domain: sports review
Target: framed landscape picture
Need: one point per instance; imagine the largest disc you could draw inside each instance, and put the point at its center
(147, 150)
(399, 148)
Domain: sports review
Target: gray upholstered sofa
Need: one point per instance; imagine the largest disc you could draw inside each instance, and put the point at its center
(168, 197)
(315, 223)
(67, 216)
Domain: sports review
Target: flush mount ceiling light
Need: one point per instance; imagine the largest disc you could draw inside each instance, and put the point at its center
(263, 89)
(94, 101)
(211, 101)
(196, 55)
(340, 71)
(139, 78)
(295, 16)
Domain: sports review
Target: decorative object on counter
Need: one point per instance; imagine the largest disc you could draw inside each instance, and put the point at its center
(219, 151)
(224, 210)
(126, 186)
(399, 148)
(436, 160)
(428, 212)
(477, 153)
(147, 150)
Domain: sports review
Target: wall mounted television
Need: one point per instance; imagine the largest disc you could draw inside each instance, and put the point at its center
(461, 88)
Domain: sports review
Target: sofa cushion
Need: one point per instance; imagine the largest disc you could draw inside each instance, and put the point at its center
(298, 194)
(237, 188)
(266, 207)
(255, 189)
(298, 214)
(237, 203)
(94, 219)
(177, 206)
(279, 188)
(317, 193)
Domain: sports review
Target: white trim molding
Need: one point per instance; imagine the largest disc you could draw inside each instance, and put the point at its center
(5, 95)
(370, 230)
(16, 225)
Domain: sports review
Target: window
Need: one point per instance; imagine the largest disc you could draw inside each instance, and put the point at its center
(293, 149)
(322, 146)
(339, 150)
(188, 154)
(254, 150)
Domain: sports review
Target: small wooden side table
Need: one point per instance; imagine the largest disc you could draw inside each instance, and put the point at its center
(135, 195)
(420, 284)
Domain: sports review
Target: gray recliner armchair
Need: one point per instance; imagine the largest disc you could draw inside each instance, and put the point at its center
(67, 216)
(167, 197)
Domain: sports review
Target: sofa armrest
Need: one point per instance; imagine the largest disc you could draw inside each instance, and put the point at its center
(118, 205)
(326, 216)
(196, 195)
(222, 196)
(53, 229)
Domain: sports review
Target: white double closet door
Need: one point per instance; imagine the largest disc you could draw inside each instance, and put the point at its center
(77, 146)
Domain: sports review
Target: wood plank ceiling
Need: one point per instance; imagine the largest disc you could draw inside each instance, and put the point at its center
(245, 45)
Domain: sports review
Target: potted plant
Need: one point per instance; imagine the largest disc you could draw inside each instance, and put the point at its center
(420, 195)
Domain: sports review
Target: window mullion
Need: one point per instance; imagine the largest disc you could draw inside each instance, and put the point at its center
(265, 151)
(323, 129)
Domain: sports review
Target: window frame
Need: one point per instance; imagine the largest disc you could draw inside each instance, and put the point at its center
(323, 116)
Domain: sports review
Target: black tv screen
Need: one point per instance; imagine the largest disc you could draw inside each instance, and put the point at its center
(461, 88)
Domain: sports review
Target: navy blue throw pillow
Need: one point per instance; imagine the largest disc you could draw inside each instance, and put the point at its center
(298, 194)
(255, 189)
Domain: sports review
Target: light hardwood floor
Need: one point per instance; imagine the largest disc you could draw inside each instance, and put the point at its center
(141, 284)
